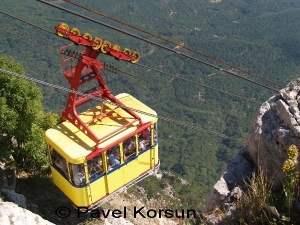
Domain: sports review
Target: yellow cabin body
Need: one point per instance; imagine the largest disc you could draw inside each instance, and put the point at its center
(127, 155)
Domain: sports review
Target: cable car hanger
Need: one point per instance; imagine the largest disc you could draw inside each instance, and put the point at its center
(86, 70)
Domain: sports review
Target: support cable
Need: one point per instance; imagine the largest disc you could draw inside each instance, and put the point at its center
(175, 43)
(186, 125)
(31, 24)
(114, 69)
(156, 44)
(197, 83)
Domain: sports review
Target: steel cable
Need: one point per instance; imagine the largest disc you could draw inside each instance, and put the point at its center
(156, 44)
(191, 126)
(175, 43)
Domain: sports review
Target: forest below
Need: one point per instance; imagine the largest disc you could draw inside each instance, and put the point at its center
(259, 36)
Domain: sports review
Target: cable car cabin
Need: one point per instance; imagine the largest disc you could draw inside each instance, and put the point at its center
(104, 150)
(126, 156)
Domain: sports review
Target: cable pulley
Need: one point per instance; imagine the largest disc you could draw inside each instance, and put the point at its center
(104, 47)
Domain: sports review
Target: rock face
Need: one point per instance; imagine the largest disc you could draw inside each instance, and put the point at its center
(8, 184)
(11, 213)
(227, 188)
(11, 195)
(14, 213)
(276, 127)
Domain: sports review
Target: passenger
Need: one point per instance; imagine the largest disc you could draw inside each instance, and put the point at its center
(145, 134)
(92, 170)
(130, 148)
(114, 159)
(61, 166)
(142, 145)
(79, 178)
(98, 166)
(155, 137)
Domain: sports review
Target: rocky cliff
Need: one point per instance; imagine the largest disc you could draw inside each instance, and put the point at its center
(12, 214)
(276, 127)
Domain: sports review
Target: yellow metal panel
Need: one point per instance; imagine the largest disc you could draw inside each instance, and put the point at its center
(130, 171)
(98, 189)
(154, 156)
(115, 180)
(144, 161)
(79, 196)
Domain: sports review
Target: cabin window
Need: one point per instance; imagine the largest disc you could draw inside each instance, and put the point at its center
(77, 174)
(144, 139)
(95, 167)
(129, 148)
(59, 162)
(113, 157)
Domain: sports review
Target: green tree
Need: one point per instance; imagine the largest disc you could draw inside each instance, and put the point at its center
(22, 120)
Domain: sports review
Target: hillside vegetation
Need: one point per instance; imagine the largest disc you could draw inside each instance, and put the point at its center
(259, 36)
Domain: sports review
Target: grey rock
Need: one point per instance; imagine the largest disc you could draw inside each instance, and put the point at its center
(10, 213)
(7, 177)
(274, 130)
(11, 195)
(235, 170)
(140, 189)
(217, 196)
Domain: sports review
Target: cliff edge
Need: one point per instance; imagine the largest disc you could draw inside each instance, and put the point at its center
(276, 127)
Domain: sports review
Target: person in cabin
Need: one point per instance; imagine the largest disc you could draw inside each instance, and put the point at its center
(114, 159)
(142, 145)
(79, 178)
(62, 167)
(91, 169)
(98, 165)
(145, 135)
(130, 148)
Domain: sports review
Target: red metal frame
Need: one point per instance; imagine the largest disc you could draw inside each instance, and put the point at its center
(80, 40)
(87, 69)
(119, 55)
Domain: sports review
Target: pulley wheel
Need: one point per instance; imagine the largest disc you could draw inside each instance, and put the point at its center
(87, 36)
(99, 43)
(137, 57)
(62, 26)
(104, 45)
(127, 51)
(75, 31)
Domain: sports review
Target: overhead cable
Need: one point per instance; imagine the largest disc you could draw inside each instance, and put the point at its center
(191, 126)
(140, 65)
(156, 44)
(175, 43)
(197, 83)
(31, 24)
